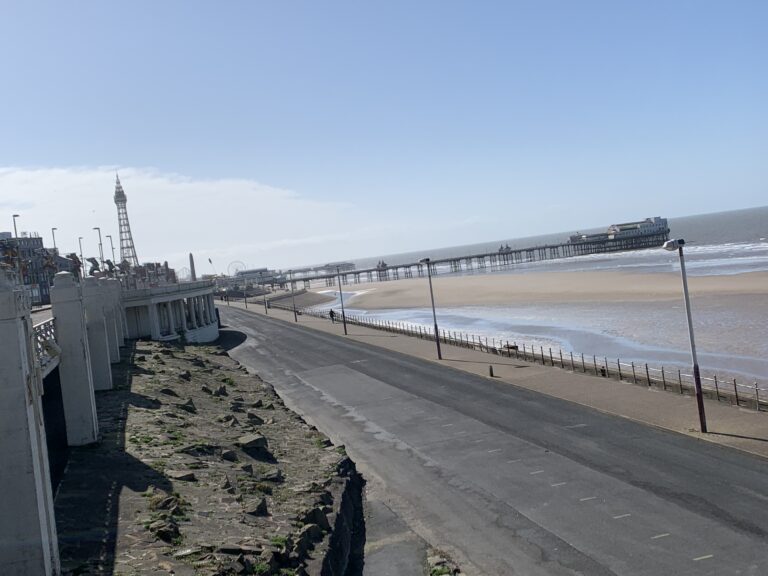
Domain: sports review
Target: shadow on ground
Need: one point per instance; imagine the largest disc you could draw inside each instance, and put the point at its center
(87, 504)
(229, 339)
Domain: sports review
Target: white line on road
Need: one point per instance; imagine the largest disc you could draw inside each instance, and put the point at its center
(587, 498)
(494, 451)
(707, 557)
(536, 472)
(513, 461)
(663, 535)
(478, 440)
(446, 425)
(572, 426)
(555, 485)
(620, 516)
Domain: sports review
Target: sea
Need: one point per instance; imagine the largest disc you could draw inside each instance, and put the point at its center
(731, 331)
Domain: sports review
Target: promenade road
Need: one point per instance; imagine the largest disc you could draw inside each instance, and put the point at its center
(511, 481)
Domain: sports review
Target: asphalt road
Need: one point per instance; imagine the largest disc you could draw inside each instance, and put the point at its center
(513, 482)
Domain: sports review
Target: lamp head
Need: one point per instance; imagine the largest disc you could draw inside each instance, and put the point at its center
(424, 261)
(674, 244)
(54, 228)
(15, 215)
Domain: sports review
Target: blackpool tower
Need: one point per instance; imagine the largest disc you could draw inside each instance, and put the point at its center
(127, 251)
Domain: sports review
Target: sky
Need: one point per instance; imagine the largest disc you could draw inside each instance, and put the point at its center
(287, 133)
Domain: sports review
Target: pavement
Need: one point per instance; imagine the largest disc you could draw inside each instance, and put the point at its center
(736, 427)
(529, 472)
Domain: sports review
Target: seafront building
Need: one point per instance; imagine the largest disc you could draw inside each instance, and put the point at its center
(35, 264)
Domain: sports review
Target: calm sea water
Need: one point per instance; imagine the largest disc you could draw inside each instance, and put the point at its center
(731, 332)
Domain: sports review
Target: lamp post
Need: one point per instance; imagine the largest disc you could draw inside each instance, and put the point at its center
(673, 245)
(432, 298)
(266, 310)
(101, 251)
(111, 244)
(80, 241)
(53, 233)
(293, 297)
(341, 297)
(15, 234)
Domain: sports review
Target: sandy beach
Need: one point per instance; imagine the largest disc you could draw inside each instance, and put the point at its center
(543, 287)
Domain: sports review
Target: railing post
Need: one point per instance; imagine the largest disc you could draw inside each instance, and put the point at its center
(717, 389)
(680, 380)
(663, 379)
(647, 375)
(618, 365)
(736, 392)
(573, 369)
(583, 365)
(757, 397)
(634, 375)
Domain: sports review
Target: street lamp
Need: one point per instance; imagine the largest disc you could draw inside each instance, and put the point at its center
(80, 241)
(15, 234)
(673, 245)
(113, 248)
(432, 297)
(293, 298)
(101, 251)
(53, 233)
(263, 289)
(341, 297)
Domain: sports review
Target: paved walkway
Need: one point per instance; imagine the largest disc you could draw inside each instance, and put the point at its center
(740, 428)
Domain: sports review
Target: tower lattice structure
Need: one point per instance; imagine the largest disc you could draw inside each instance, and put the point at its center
(127, 250)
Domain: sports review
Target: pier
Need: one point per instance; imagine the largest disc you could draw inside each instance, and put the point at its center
(502, 259)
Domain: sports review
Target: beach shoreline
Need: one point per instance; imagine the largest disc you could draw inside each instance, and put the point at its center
(549, 287)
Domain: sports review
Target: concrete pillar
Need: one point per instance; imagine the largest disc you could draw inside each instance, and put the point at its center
(96, 327)
(171, 317)
(110, 320)
(75, 361)
(198, 312)
(191, 311)
(154, 321)
(206, 315)
(210, 306)
(115, 288)
(182, 314)
(28, 541)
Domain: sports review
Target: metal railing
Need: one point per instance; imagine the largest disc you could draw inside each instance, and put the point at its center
(747, 394)
(45, 345)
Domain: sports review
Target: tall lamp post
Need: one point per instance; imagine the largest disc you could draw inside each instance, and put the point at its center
(341, 297)
(80, 242)
(673, 245)
(101, 250)
(432, 298)
(266, 310)
(15, 234)
(53, 233)
(293, 297)
(111, 244)
(18, 252)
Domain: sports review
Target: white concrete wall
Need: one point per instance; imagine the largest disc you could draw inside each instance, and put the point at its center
(28, 541)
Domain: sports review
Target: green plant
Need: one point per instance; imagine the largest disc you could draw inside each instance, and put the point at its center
(439, 571)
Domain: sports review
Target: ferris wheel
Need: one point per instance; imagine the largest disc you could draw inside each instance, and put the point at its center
(235, 267)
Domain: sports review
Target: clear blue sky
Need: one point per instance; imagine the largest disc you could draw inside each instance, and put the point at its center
(505, 118)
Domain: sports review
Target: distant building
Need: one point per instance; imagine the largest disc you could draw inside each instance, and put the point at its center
(36, 264)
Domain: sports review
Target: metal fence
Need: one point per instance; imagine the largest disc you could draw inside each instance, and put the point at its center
(746, 394)
(45, 345)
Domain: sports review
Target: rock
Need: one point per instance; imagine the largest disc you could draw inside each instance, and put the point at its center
(238, 399)
(188, 406)
(205, 389)
(197, 362)
(201, 449)
(229, 455)
(168, 392)
(221, 391)
(274, 476)
(141, 358)
(269, 406)
(185, 375)
(166, 530)
(257, 508)
(187, 552)
(166, 352)
(247, 468)
(257, 404)
(232, 423)
(184, 475)
(254, 419)
(252, 441)
(236, 407)
(316, 516)
(308, 535)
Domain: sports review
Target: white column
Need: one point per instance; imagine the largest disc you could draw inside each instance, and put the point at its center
(171, 317)
(75, 361)
(28, 541)
(97, 334)
(154, 321)
(191, 310)
(211, 307)
(110, 320)
(116, 290)
(198, 312)
(182, 314)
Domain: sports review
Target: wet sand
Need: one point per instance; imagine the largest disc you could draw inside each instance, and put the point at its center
(550, 287)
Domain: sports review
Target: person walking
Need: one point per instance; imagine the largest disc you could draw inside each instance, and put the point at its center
(332, 316)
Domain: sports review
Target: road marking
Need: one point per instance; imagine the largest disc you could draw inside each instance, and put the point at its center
(558, 484)
(572, 426)
(707, 557)
(447, 425)
(513, 461)
(664, 535)
(587, 498)
(494, 451)
(536, 472)
(478, 440)
(358, 361)
(620, 516)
